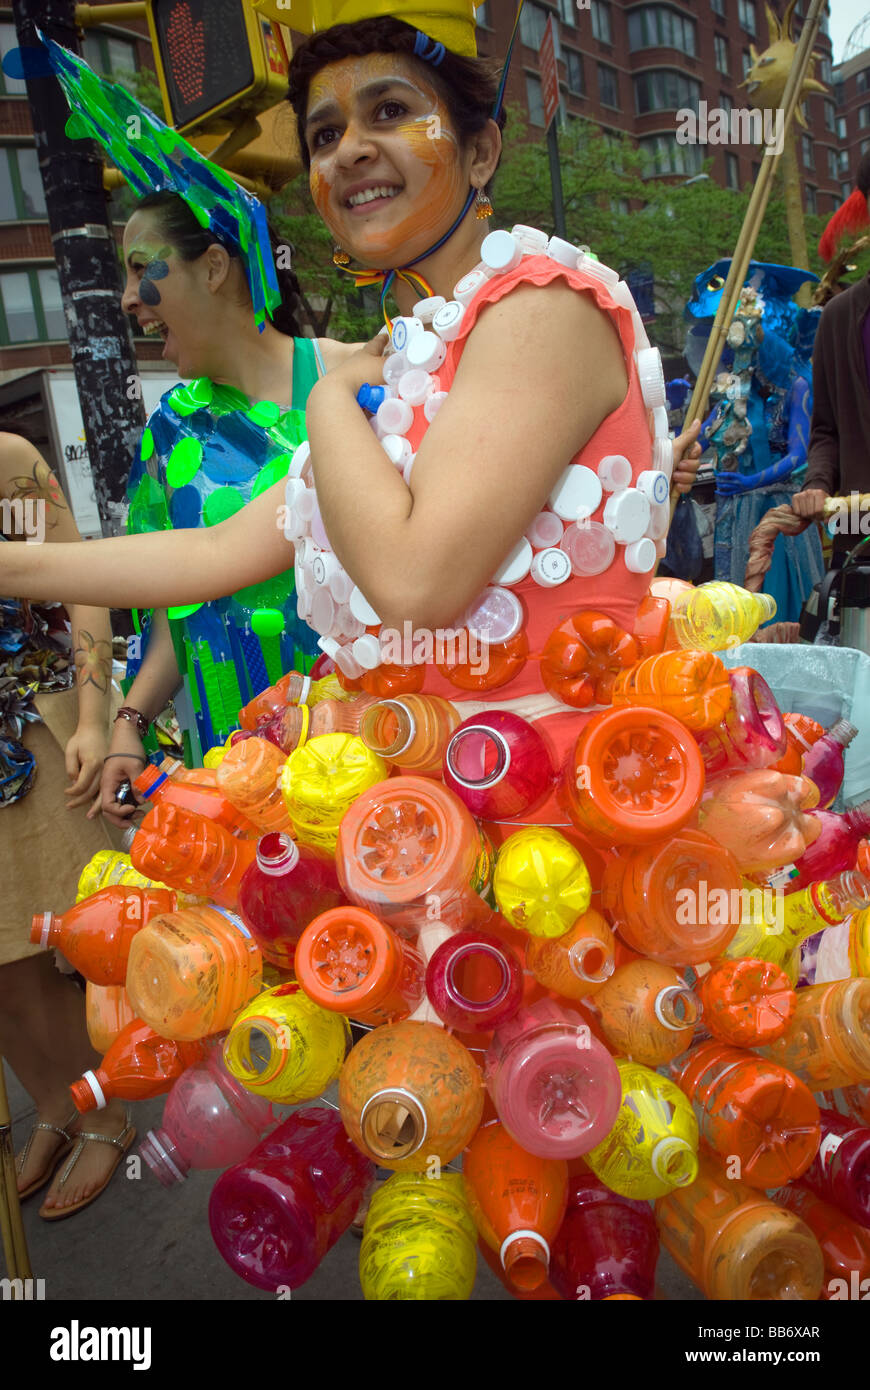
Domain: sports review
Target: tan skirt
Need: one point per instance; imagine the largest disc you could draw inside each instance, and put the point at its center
(43, 846)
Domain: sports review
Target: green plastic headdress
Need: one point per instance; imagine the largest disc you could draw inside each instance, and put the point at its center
(154, 158)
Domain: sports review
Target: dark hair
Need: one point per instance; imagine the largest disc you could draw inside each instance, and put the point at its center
(191, 240)
(469, 86)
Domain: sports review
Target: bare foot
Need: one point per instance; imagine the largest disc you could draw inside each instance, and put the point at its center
(96, 1161)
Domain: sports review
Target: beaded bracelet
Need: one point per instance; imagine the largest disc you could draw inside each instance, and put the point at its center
(133, 716)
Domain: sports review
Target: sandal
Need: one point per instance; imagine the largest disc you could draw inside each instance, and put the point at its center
(57, 1157)
(121, 1142)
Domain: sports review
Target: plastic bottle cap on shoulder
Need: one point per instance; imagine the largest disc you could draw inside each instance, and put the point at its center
(301, 457)
(663, 456)
(652, 377)
(500, 252)
(614, 472)
(576, 494)
(495, 616)
(589, 546)
(349, 626)
(426, 351)
(623, 296)
(533, 241)
(551, 568)
(405, 329)
(340, 585)
(661, 424)
(654, 485)
(415, 386)
(626, 514)
(659, 521)
(447, 323)
(426, 309)
(516, 565)
(367, 651)
(563, 252)
(590, 265)
(465, 289)
(640, 556)
(395, 416)
(323, 611)
(433, 404)
(361, 608)
(397, 448)
(347, 663)
(546, 530)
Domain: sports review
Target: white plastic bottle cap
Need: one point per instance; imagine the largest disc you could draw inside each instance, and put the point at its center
(347, 662)
(426, 351)
(466, 288)
(663, 456)
(367, 651)
(306, 551)
(447, 323)
(394, 368)
(640, 556)
(661, 424)
(641, 337)
(551, 567)
(576, 494)
(433, 404)
(328, 645)
(293, 490)
(415, 386)
(614, 471)
(340, 585)
(532, 240)
(303, 598)
(623, 296)
(654, 485)
(361, 608)
(395, 416)
(295, 528)
(589, 546)
(426, 309)
(626, 515)
(408, 470)
(405, 329)
(318, 531)
(324, 567)
(323, 612)
(546, 530)
(397, 449)
(500, 252)
(347, 624)
(299, 460)
(652, 377)
(515, 566)
(306, 504)
(563, 252)
(659, 521)
(495, 616)
(590, 266)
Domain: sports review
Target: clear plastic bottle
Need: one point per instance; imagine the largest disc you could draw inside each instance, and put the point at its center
(292, 689)
(419, 1241)
(294, 725)
(653, 1145)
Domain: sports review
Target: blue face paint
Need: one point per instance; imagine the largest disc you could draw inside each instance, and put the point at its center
(155, 270)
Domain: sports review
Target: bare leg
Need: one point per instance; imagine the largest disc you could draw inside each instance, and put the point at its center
(44, 1039)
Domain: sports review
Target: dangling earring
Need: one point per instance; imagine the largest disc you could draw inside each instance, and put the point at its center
(340, 257)
(483, 208)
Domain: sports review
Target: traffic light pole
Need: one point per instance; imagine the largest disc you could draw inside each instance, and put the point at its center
(104, 363)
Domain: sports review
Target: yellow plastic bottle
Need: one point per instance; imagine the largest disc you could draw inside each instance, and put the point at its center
(419, 1241)
(299, 1050)
(773, 927)
(541, 883)
(321, 779)
(718, 615)
(653, 1146)
(107, 868)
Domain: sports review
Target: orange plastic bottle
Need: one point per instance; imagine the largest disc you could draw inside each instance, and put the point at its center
(577, 964)
(193, 855)
(410, 732)
(96, 934)
(651, 621)
(801, 733)
(734, 1244)
(845, 1245)
(192, 789)
(504, 660)
(410, 1092)
(827, 1042)
(292, 689)
(348, 961)
(191, 971)
(760, 816)
(249, 779)
(387, 681)
(746, 1002)
(518, 1203)
(647, 1012)
(635, 776)
(752, 1109)
(584, 657)
(691, 686)
(139, 1064)
(409, 851)
(107, 1012)
(679, 901)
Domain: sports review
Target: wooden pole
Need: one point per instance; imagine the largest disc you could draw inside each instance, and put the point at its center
(11, 1224)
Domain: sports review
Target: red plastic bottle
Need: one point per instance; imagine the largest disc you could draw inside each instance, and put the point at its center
(285, 887)
(498, 764)
(845, 1246)
(752, 733)
(191, 854)
(173, 785)
(835, 849)
(840, 1172)
(139, 1065)
(823, 763)
(274, 1216)
(474, 982)
(95, 935)
(607, 1246)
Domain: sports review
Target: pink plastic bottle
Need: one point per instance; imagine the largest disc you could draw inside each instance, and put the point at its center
(286, 887)
(835, 849)
(296, 724)
(607, 1246)
(474, 982)
(752, 733)
(499, 765)
(555, 1086)
(209, 1121)
(274, 1216)
(840, 1171)
(823, 763)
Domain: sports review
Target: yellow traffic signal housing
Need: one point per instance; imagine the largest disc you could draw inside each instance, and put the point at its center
(217, 61)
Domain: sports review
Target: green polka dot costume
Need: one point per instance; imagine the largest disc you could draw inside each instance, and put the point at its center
(206, 452)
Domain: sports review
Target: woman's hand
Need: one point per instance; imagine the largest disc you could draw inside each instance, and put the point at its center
(84, 764)
(687, 457)
(365, 367)
(126, 760)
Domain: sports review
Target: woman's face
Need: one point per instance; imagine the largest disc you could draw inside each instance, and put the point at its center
(387, 174)
(160, 291)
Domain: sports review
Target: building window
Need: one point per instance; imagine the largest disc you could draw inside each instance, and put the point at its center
(811, 199)
(725, 103)
(481, 16)
(862, 81)
(535, 99)
(533, 22)
(864, 117)
(665, 90)
(865, 146)
(31, 309)
(746, 13)
(10, 86)
(732, 171)
(838, 162)
(657, 26)
(22, 197)
(619, 206)
(608, 86)
(747, 61)
(720, 48)
(841, 128)
(601, 21)
(568, 13)
(109, 56)
(718, 7)
(826, 71)
(807, 144)
(830, 117)
(662, 155)
(574, 64)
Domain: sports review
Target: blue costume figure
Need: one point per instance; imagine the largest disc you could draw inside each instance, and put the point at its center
(760, 422)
